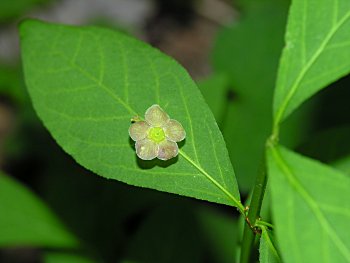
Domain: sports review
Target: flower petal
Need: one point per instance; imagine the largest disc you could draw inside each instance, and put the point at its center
(139, 130)
(156, 116)
(174, 131)
(146, 149)
(167, 150)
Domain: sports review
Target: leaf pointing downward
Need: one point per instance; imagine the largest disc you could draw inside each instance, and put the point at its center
(86, 84)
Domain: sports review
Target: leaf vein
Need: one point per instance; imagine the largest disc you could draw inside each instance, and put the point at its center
(125, 69)
(102, 86)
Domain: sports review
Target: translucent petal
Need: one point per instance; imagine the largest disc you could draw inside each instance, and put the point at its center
(146, 149)
(139, 130)
(167, 150)
(174, 131)
(156, 116)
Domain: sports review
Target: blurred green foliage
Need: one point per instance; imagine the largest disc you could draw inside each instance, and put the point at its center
(246, 57)
(25, 219)
(66, 257)
(11, 9)
(115, 222)
(11, 85)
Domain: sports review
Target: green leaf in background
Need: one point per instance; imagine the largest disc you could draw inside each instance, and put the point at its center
(11, 85)
(86, 84)
(60, 257)
(252, 4)
(316, 52)
(267, 250)
(221, 234)
(311, 209)
(13, 8)
(25, 220)
(215, 90)
(178, 240)
(247, 52)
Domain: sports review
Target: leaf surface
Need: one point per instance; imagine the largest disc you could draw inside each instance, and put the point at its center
(86, 84)
(311, 209)
(267, 250)
(26, 220)
(316, 52)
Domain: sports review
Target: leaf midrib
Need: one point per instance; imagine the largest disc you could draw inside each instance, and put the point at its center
(216, 183)
(312, 203)
(294, 88)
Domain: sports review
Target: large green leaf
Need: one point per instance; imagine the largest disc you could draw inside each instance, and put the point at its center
(311, 209)
(316, 52)
(87, 82)
(26, 220)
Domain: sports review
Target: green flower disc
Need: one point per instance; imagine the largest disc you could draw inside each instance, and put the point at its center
(156, 134)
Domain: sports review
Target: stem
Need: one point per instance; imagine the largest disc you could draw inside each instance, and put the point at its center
(253, 213)
(263, 223)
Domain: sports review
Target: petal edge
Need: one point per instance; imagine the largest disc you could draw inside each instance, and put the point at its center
(156, 116)
(146, 149)
(138, 130)
(167, 150)
(174, 131)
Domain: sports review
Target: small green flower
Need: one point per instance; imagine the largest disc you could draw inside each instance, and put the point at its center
(157, 136)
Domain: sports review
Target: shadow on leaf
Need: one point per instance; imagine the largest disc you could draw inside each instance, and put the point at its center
(155, 162)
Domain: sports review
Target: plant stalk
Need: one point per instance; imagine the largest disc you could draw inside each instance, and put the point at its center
(253, 213)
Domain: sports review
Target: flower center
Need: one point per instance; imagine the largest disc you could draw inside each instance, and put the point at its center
(156, 134)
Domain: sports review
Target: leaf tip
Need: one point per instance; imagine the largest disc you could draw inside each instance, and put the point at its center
(28, 24)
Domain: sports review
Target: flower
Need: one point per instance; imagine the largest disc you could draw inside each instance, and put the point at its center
(157, 136)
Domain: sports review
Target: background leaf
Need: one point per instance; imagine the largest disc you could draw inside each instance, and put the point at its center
(25, 220)
(11, 9)
(310, 208)
(246, 54)
(221, 233)
(11, 85)
(315, 54)
(59, 257)
(86, 83)
(268, 252)
(184, 247)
